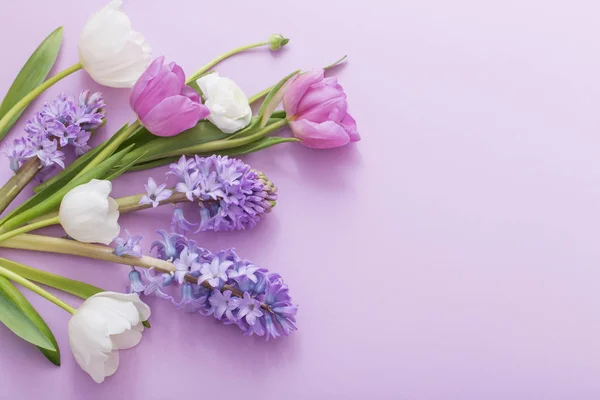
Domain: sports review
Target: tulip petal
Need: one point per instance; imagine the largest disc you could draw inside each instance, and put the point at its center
(174, 115)
(323, 135)
(110, 51)
(178, 72)
(88, 215)
(127, 339)
(111, 365)
(134, 298)
(141, 84)
(349, 125)
(105, 323)
(165, 85)
(190, 93)
(320, 97)
(298, 87)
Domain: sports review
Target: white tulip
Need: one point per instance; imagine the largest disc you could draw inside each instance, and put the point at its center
(104, 324)
(110, 51)
(228, 105)
(88, 215)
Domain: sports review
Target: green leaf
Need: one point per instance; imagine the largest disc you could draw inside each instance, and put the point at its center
(49, 200)
(10, 293)
(272, 100)
(153, 164)
(203, 132)
(14, 316)
(76, 288)
(257, 145)
(120, 170)
(33, 73)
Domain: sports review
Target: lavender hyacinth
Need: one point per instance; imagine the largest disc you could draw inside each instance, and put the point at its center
(231, 195)
(232, 290)
(64, 122)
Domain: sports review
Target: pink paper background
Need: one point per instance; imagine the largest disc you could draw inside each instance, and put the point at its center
(452, 254)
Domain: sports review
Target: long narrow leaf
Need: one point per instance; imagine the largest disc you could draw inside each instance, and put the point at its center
(33, 73)
(76, 288)
(257, 145)
(203, 132)
(17, 321)
(120, 170)
(10, 291)
(153, 164)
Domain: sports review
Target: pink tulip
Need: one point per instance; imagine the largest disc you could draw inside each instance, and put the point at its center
(317, 109)
(165, 105)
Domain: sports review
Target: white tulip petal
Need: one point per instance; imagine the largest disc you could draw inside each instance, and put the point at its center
(111, 365)
(134, 298)
(110, 51)
(127, 339)
(88, 215)
(105, 323)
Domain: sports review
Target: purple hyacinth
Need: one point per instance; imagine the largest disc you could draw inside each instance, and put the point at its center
(261, 307)
(61, 123)
(155, 194)
(128, 246)
(231, 195)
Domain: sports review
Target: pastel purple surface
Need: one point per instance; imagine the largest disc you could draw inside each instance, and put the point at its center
(451, 254)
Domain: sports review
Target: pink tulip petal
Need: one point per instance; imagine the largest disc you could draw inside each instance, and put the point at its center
(331, 110)
(174, 115)
(333, 82)
(140, 85)
(349, 125)
(190, 93)
(320, 96)
(298, 87)
(165, 84)
(178, 71)
(320, 136)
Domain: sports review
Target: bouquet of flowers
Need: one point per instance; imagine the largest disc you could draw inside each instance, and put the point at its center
(197, 125)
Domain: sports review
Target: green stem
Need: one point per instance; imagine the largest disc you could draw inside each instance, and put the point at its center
(18, 181)
(110, 148)
(225, 143)
(24, 102)
(30, 227)
(36, 289)
(217, 60)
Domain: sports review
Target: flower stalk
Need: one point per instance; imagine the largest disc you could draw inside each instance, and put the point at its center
(17, 182)
(36, 289)
(223, 57)
(31, 227)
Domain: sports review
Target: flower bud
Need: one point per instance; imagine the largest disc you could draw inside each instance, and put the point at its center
(277, 41)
